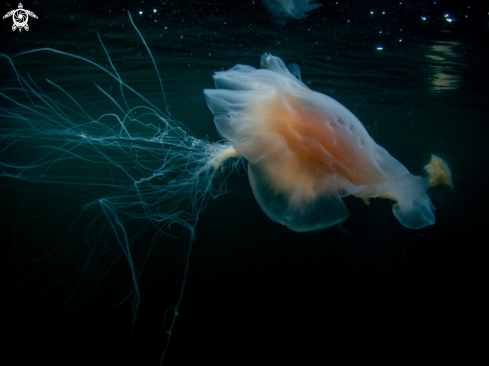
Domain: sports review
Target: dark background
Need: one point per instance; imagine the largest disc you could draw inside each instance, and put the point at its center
(256, 290)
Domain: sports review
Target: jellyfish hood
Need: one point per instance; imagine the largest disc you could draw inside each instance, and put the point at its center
(306, 151)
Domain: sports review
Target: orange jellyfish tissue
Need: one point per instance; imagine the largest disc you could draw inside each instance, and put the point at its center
(306, 151)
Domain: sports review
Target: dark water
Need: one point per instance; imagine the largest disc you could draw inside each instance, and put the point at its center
(255, 289)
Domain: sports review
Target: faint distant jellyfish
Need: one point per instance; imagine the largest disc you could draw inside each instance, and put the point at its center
(306, 151)
(283, 9)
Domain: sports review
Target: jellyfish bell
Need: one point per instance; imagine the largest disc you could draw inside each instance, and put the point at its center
(306, 151)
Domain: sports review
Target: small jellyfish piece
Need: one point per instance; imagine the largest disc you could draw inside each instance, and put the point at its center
(282, 9)
(306, 151)
(438, 173)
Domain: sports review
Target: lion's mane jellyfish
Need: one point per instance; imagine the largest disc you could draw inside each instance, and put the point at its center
(306, 151)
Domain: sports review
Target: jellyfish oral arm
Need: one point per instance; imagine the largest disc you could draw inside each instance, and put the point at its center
(225, 154)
